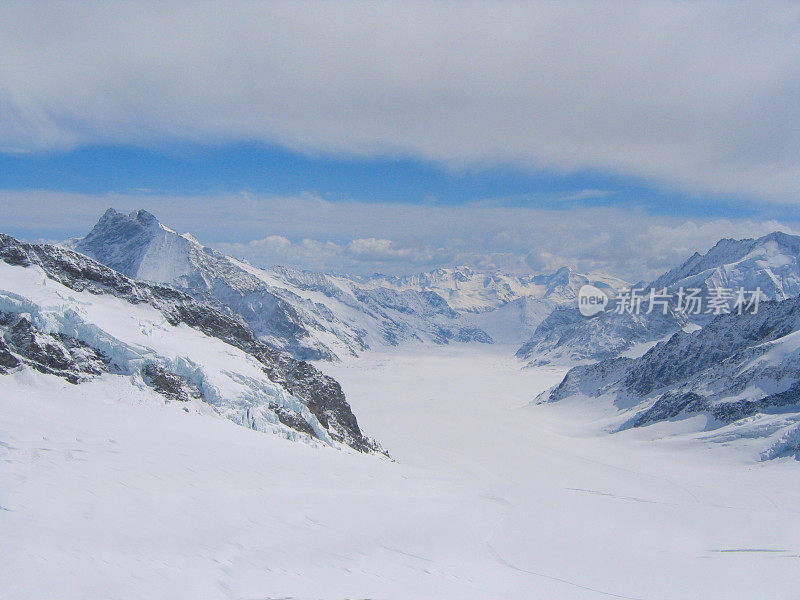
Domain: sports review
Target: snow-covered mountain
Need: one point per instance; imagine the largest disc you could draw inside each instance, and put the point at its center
(740, 373)
(458, 304)
(467, 290)
(102, 378)
(141, 248)
(382, 315)
(770, 263)
(565, 336)
(322, 316)
(63, 314)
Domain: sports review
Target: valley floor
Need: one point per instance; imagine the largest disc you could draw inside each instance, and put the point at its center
(487, 497)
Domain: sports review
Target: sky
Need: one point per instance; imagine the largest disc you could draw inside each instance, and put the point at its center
(399, 137)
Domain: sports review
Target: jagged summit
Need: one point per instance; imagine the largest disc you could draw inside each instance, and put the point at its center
(771, 262)
(137, 245)
(140, 247)
(139, 220)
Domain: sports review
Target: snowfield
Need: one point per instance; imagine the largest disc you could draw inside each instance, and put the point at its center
(106, 491)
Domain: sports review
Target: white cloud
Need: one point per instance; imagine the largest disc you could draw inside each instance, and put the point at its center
(380, 250)
(272, 243)
(362, 255)
(699, 96)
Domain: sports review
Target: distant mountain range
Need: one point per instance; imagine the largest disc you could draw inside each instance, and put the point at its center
(317, 316)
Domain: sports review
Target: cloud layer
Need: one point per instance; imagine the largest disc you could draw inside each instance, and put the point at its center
(365, 238)
(700, 97)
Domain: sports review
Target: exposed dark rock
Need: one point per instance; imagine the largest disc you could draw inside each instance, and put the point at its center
(37, 347)
(292, 419)
(686, 354)
(733, 411)
(58, 354)
(474, 334)
(671, 405)
(7, 360)
(169, 384)
(704, 371)
(565, 334)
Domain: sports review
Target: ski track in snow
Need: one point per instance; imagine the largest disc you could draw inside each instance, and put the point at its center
(108, 492)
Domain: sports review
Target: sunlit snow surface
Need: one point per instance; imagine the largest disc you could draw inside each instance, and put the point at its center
(109, 493)
(231, 381)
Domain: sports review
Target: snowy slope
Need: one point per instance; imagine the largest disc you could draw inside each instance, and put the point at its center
(770, 263)
(107, 494)
(66, 315)
(737, 377)
(566, 337)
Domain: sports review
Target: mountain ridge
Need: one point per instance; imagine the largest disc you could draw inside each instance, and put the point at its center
(740, 372)
(44, 327)
(770, 264)
(321, 316)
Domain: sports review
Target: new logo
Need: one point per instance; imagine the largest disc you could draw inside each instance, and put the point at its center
(591, 300)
